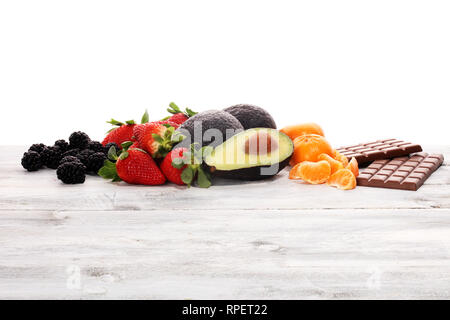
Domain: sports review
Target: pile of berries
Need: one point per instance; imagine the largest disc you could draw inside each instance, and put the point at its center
(148, 153)
(72, 160)
(144, 153)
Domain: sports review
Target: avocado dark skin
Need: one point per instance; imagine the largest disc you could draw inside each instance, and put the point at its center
(251, 116)
(249, 174)
(210, 119)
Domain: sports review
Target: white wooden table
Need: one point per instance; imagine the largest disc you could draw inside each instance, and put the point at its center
(276, 239)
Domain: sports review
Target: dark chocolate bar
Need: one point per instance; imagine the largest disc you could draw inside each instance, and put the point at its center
(406, 173)
(381, 149)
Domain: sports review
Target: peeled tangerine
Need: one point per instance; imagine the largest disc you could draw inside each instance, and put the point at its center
(343, 179)
(312, 172)
(308, 147)
(335, 164)
(353, 167)
(341, 158)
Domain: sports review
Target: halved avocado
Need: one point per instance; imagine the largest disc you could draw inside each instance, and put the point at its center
(253, 154)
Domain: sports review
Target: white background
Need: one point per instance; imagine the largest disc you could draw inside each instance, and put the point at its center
(71, 65)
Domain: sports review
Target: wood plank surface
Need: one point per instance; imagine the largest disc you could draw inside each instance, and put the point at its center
(261, 240)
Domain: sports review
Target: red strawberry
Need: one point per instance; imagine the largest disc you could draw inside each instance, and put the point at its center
(179, 116)
(183, 166)
(170, 123)
(156, 138)
(133, 166)
(124, 131)
(172, 173)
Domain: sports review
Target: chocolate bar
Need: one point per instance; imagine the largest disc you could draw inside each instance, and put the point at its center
(406, 173)
(381, 149)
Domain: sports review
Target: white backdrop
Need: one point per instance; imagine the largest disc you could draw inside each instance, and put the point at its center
(71, 65)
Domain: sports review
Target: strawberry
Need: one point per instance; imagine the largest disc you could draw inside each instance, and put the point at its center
(156, 138)
(170, 123)
(123, 132)
(179, 116)
(172, 173)
(133, 166)
(183, 166)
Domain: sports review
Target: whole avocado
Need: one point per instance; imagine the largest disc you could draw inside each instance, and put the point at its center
(223, 122)
(251, 116)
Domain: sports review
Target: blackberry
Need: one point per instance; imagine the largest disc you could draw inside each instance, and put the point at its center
(31, 161)
(111, 144)
(69, 159)
(51, 156)
(71, 152)
(37, 147)
(84, 155)
(95, 162)
(79, 140)
(71, 172)
(62, 144)
(96, 146)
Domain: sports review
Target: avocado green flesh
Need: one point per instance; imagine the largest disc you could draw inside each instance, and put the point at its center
(231, 154)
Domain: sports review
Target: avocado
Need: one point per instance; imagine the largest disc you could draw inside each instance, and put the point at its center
(253, 154)
(251, 116)
(210, 127)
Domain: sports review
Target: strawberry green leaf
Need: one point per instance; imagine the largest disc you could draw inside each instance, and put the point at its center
(157, 138)
(190, 113)
(115, 122)
(145, 117)
(129, 122)
(112, 153)
(177, 137)
(187, 175)
(203, 180)
(108, 171)
(173, 108)
(187, 155)
(178, 163)
(123, 155)
(125, 145)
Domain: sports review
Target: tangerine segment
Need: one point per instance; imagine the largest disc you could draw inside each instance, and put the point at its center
(353, 166)
(341, 158)
(308, 147)
(301, 129)
(312, 172)
(294, 173)
(335, 165)
(343, 179)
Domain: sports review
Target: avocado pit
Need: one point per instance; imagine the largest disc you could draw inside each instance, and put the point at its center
(260, 143)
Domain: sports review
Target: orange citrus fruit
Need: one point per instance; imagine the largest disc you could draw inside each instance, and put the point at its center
(308, 147)
(312, 172)
(343, 179)
(340, 157)
(335, 165)
(353, 167)
(301, 129)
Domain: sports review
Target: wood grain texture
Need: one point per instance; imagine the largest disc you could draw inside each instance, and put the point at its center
(260, 240)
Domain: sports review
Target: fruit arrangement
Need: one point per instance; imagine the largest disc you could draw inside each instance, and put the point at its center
(315, 161)
(189, 148)
(184, 148)
(239, 142)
